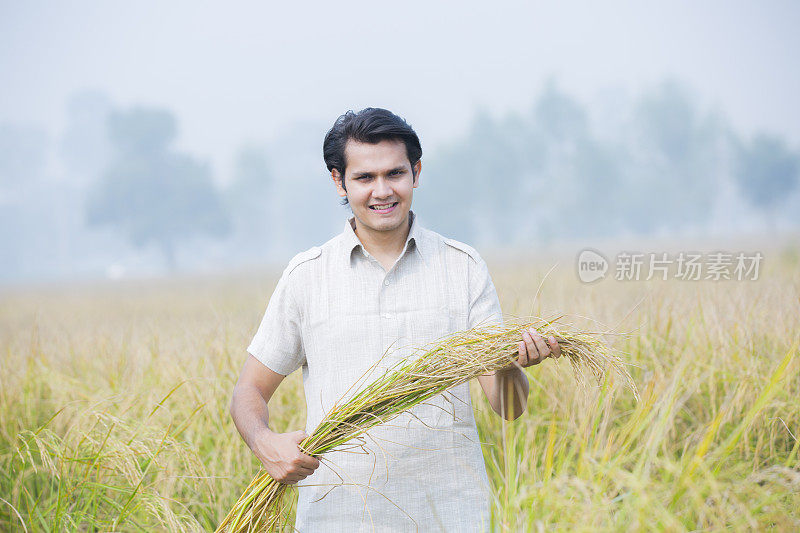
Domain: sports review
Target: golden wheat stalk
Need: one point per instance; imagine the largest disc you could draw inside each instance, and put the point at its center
(455, 359)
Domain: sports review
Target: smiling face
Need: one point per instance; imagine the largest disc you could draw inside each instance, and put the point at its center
(378, 184)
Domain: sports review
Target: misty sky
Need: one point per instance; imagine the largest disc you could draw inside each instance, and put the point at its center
(236, 72)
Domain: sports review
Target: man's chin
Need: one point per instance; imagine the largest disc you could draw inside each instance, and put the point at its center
(384, 223)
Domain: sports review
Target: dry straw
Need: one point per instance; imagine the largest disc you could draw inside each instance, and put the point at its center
(430, 371)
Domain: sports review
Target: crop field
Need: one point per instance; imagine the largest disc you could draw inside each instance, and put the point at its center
(114, 405)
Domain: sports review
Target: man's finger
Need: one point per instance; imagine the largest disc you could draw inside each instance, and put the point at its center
(534, 358)
(309, 462)
(305, 471)
(523, 354)
(544, 350)
(555, 347)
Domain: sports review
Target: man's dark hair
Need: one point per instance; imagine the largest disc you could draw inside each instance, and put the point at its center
(371, 125)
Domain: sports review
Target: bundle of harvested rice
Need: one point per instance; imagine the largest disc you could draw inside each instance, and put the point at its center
(430, 371)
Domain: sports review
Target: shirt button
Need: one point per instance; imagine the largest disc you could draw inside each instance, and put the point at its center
(386, 282)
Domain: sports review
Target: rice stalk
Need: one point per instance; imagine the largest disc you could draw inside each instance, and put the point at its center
(428, 372)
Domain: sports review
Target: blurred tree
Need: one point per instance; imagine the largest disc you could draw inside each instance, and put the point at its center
(85, 151)
(85, 145)
(444, 198)
(569, 181)
(475, 189)
(252, 184)
(766, 172)
(248, 199)
(150, 193)
(671, 170)
(596, 204)
(561, 118)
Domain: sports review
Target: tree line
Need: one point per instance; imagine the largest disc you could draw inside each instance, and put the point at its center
(113, 191)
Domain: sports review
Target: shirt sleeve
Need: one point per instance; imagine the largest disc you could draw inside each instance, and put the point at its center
(484, 305)
(278, 341)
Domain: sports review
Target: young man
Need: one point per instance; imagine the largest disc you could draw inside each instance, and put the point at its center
(384, 285)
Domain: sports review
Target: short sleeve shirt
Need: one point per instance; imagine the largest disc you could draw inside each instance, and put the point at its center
(335, 313)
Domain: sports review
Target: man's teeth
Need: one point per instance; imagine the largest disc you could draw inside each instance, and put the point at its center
(382, 206)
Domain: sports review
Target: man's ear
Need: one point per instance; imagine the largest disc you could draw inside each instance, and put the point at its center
(417, 169)
(337, 180)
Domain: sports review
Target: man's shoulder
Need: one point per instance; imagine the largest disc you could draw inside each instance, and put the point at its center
(309, 256)
(303, 257)
(465, 248)
(446, 243)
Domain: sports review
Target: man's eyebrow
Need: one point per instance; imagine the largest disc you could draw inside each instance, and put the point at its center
(369, 174)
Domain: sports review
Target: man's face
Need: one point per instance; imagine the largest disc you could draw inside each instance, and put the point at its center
(379, 183)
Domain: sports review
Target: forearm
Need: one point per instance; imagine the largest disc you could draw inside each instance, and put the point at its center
(278, 452)
(250, 414)
(508, 392)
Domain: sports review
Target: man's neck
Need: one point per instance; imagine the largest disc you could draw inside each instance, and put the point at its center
(385, 246)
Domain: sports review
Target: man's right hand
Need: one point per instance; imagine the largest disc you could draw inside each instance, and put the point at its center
(282, 458)
(278, 452)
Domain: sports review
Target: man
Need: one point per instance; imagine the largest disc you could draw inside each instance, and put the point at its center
(382, 287)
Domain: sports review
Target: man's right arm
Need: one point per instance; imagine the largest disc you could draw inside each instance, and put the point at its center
(278, 452)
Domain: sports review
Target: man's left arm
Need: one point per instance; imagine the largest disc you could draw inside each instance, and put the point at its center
(507, 389)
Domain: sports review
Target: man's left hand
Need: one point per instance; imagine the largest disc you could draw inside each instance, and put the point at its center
(533, 349)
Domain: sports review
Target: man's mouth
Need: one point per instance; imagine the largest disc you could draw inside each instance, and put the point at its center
(383, 208)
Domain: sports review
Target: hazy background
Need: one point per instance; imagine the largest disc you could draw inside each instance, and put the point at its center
(139, 139)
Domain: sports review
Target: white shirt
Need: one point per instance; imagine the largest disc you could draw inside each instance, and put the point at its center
(334, 313)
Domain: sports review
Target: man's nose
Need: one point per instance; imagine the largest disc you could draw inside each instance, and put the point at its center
(382, 188)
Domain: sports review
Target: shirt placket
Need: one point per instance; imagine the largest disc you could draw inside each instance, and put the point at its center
(387, 301)
(388, 305)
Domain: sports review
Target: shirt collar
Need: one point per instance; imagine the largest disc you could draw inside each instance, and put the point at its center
(415, 238)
